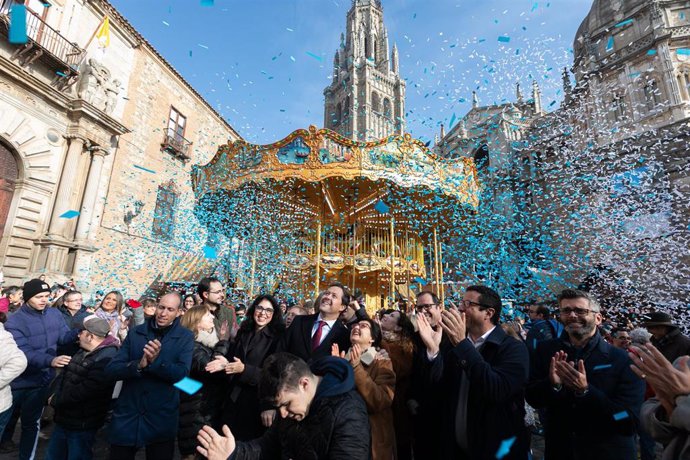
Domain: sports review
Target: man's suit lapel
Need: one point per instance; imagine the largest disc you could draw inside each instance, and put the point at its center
(307, 326)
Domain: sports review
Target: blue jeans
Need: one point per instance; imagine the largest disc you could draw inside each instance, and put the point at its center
(5, 417)
(70, 445)
(27, 404)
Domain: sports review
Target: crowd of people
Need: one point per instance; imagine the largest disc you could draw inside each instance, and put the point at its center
(325, 380)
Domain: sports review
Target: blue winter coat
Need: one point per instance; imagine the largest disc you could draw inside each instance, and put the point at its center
(38, 334)
(148, 407)
(599, 425)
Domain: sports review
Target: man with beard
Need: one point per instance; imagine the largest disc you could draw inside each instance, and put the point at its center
(482, 376)
(311, 336)
(212, 294)
(589, 393)
(424, 402)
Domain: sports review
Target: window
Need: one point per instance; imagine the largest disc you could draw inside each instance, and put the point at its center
(164, 215)
(387, 108)
(684, 84)
(652, 95)
(375, 102)
(346, 110)
(618, 107)
(176, 124)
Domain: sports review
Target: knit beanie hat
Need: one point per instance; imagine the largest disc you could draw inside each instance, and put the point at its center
(34, 287)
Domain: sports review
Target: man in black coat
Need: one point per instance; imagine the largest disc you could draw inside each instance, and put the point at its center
(483, 375)
(321, 415)
(590, 395)
(423, 401)
(666, 336)
(83, 392)
(311, 336)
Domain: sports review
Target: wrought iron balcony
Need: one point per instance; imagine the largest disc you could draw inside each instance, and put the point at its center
(46, 43)
(176, 145)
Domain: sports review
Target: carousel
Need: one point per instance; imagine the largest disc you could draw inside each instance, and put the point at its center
(316, 207)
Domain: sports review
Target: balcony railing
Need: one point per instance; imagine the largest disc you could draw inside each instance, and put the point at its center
(44, 41)
(176, 145)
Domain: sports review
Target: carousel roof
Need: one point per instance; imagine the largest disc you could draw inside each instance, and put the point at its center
(320, 165)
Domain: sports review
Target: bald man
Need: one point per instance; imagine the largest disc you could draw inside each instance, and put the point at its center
(153, 357)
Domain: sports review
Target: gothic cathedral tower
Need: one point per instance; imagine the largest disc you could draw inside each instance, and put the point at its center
(366, 99)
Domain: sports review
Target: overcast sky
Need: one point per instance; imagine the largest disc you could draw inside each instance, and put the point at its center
(263, 64)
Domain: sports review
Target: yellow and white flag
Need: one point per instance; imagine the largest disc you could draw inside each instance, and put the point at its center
(103, 33)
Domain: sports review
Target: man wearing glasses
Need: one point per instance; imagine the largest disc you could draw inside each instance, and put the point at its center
(482, 375)
(590, 395)
(423, 402)
(74, 313)
(212, 294)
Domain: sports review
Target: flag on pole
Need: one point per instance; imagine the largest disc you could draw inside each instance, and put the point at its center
(103, 33)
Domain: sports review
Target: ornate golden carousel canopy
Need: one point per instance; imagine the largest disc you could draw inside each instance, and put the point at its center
(334, 203)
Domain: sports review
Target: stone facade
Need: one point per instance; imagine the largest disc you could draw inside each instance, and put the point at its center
(366, 98)
(93, 135)
(606, 174)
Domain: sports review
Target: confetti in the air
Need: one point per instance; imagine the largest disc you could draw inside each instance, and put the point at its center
(188, 385)
(71, 214)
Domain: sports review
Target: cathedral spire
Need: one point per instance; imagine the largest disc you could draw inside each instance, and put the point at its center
(475, 100)
(518, 92)
(366, 97)
(536, 97)
(567, 86)
(395, 67)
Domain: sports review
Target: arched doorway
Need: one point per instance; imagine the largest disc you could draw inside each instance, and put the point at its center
(9, 173)
(481, 159)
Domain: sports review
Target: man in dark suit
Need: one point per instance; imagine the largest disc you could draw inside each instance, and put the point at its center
(483, 373)
(590, 395)
(311, 336)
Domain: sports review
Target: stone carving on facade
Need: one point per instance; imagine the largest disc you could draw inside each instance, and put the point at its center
(97, 88)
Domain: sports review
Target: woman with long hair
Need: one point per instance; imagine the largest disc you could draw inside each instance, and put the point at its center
(375, 382)
(257, 338)
(110, 310)
(203, 407)
(397, 330)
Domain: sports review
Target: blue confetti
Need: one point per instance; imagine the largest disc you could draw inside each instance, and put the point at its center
(534, 7)
(146, 169)
(683, 51)
(189, 386)
(620, 416)
(315, 56)
(651, 52)
(71, 214)
(210, 252)
(206, 2)
(381, 207)
(624, 23)
(503, 39)
(601, 366)
(609, 44)
(452, 120)
(17, 33)
(504, 448)
(419, 280)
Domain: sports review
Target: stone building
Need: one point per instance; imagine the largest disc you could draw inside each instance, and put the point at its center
(605, 176)
(366, 98)
(96, 148)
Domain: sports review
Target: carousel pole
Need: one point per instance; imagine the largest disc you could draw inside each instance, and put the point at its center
(251, 282)
(436, 261)
(440, 272)
(354, 252)
(318, 259)
(407, 261)
(392, 248)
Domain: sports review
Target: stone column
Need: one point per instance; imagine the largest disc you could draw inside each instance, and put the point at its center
(58, 225)
(90, 194)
